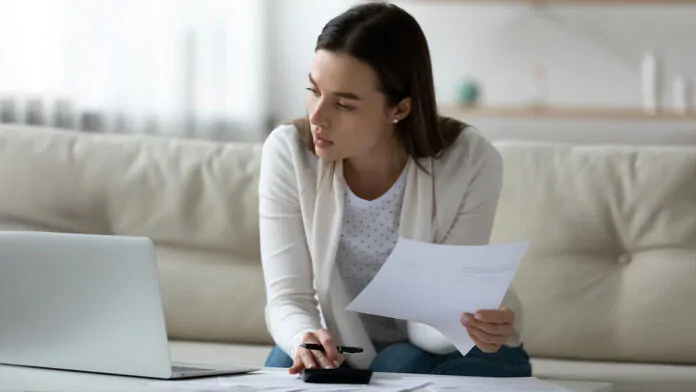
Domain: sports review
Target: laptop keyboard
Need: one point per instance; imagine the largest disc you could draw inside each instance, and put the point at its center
(184, 369)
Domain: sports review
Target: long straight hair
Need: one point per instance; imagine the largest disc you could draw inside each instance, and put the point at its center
(390, 40)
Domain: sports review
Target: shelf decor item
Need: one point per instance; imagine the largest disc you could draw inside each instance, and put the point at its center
(541, 87)
(8, 110)
(34, 112)
(469, 93)
(651, 86)
(681, 95)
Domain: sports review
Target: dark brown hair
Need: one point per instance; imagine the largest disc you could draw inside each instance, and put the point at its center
(390, 40)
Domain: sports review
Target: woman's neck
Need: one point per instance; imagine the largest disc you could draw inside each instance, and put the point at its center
(370, 176)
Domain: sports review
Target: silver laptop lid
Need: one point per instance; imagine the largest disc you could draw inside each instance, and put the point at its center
(82, 302)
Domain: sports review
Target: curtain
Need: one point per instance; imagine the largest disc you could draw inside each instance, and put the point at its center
(187, 68)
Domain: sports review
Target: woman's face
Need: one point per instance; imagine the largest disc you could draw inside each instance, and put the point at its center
(348, 114)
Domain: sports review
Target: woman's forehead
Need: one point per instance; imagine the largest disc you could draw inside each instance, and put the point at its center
(339, 71)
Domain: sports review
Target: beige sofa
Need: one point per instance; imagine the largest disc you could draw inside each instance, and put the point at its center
(608, 284)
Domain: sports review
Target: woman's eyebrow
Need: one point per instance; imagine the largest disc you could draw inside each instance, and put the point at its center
(341, 94)
(347, 95)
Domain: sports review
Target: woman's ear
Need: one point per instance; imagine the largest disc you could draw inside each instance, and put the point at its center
(402, 110)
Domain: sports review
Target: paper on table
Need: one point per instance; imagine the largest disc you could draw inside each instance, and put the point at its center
(273, 381)
(434, 284)
(491, 384)
(381, 382)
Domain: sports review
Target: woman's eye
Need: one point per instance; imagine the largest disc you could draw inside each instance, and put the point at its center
(313, 91)
(345, 107)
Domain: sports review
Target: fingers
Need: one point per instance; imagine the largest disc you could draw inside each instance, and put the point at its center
(311, 359)
(483, 346)
(332, 354)
(490, 329)
(497, 316)
(485, 337)
(304, 358)
(307, 359)
(484, 341)
(505, 330)
(322, 360)
(297, 364)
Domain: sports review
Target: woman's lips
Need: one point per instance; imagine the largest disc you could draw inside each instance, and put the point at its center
(321, 142)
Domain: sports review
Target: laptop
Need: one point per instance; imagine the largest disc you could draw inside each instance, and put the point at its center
(88, 303)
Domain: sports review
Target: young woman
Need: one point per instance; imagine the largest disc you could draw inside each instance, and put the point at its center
(373, 162)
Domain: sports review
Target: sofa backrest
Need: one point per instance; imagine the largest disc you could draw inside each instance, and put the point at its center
(609, 275)
(196, 199)
(612, 264)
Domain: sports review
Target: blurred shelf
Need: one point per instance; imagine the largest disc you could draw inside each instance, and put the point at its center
(596, 2)
(583, 113)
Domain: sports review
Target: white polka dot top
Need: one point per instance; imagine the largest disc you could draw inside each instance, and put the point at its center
(369, 233)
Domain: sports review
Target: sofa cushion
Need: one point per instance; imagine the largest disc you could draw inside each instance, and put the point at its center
(196, 199)
(218, 353)
(212, 296)
(612, 264)
(190, 193)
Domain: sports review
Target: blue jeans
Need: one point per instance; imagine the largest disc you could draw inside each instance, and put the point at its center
(407, 358)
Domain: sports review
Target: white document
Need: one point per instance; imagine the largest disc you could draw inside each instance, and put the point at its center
(280, 381)
(434, 284)
(490, 384)
(273, 380)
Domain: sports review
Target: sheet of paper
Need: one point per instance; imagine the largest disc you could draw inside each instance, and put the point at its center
(434, 284)
(489, 384)
(280, 381)
(274, 381)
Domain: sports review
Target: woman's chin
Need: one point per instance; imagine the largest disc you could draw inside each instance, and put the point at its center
(326, 154)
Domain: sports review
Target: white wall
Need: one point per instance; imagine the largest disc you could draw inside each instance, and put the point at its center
(293, 29)
(592, 54)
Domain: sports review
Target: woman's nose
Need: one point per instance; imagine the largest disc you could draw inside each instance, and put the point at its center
(318, 114)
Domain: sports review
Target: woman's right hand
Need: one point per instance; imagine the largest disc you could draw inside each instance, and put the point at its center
(313, 359)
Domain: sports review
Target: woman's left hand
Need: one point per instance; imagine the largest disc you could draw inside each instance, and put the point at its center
(490, 329)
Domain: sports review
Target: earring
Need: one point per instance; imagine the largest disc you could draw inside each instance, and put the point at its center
(396, 120)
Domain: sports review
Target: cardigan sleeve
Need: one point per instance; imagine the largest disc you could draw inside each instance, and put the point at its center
(474, 221)
(472, 226)
(291, 308)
